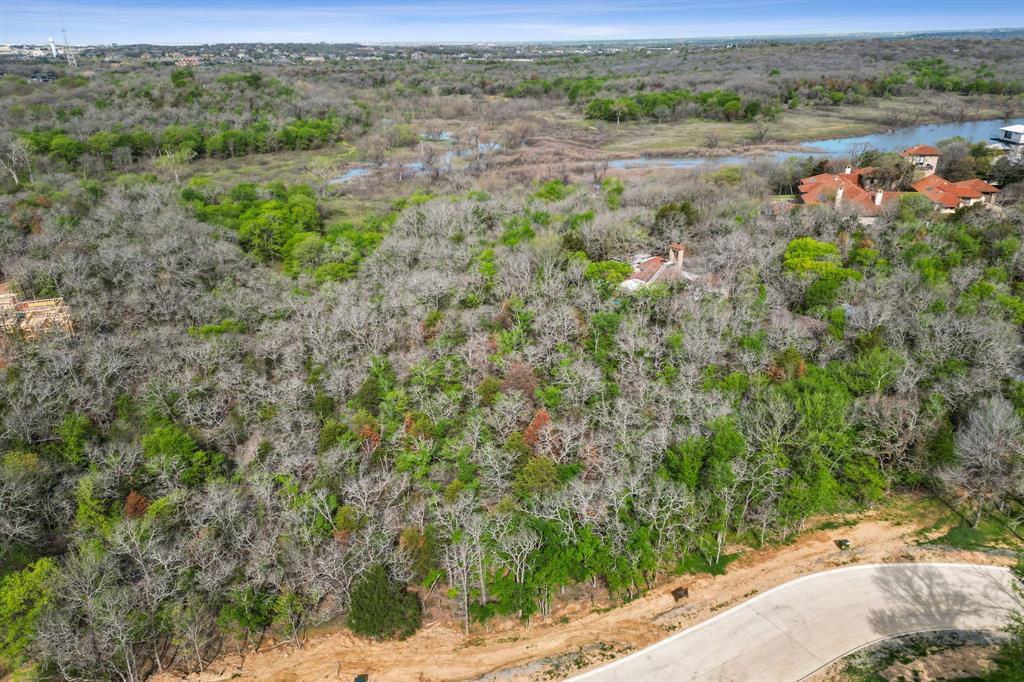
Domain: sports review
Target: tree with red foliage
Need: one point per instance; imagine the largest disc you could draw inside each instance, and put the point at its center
(135, 505)
(532, 434)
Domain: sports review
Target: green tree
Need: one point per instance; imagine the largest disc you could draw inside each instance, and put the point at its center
(181, 78)
(67, 148)
(248, 611)
(175, 161)
(169, 450)
(538, 476)
(23, 596)
(718, 478)
(382, 608)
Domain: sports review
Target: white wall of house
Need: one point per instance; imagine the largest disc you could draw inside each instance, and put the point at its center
(925, 163)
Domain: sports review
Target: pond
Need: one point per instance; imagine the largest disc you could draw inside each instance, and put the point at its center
(893, 140)
(417, 167)
(350, 174)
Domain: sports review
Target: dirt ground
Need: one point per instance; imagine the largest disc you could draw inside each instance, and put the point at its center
(965, 662)
(577, 635)
(923, 657)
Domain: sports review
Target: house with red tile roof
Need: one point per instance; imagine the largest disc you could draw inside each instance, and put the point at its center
(649, 269)
(924, 157)
(846, 190)
(949, 196)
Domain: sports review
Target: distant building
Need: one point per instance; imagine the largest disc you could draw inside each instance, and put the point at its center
(924, 157)
(1011, 141)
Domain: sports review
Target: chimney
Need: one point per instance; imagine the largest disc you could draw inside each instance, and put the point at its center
(849, 169)
(878, 198)
(839, 195)
(675, 255)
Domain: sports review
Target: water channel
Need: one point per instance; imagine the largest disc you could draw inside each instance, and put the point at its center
(893, 140)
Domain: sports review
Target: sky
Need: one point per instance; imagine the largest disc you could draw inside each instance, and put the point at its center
(391, 21)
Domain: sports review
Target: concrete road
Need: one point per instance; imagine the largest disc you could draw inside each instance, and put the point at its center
(797, 628)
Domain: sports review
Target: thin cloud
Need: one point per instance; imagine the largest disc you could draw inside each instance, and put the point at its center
(167, 21)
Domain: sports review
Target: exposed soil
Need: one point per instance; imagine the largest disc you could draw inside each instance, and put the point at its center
(579, 635)
(921, 657)
(968, 661)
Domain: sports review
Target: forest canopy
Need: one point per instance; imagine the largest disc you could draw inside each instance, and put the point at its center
(288, 402)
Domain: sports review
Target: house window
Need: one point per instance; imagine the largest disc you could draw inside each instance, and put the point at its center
(1007, 135)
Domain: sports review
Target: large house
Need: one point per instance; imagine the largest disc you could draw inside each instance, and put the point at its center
(846, 190)
(648, 269)
(924, 157)
(949, 196)
(1011, 141)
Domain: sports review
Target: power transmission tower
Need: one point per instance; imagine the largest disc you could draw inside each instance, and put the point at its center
(72, 62)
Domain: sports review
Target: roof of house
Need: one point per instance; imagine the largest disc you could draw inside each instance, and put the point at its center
(951, 194)
(977, 185)
(648, 269)
(868, 204)
(822, 188)
(1018, 128)
(921, 150)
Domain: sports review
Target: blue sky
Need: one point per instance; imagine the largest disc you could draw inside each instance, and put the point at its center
(191, 21)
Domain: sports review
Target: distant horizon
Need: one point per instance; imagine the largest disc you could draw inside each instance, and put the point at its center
(460, 22)
(454, 43)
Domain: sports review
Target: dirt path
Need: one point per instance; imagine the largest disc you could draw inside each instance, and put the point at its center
(509, 651)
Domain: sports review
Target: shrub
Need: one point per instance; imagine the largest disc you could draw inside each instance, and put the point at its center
(537, 477)
(23, 596)
(520, 377)
(383, 609)
(806, 255)
(170, 450)
(553, 190)
(611, 272)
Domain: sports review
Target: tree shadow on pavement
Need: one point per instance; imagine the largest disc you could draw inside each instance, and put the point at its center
(921, 597)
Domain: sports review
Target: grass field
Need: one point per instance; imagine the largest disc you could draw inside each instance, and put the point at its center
(798, 125)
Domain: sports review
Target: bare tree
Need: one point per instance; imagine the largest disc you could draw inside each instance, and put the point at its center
(990, 454)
